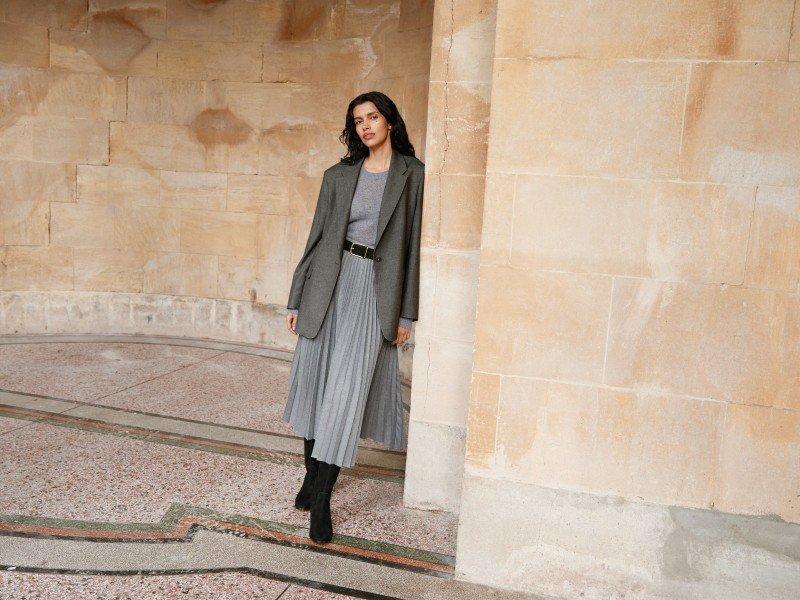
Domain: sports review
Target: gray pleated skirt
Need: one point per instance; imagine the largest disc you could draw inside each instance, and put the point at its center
(344, 384)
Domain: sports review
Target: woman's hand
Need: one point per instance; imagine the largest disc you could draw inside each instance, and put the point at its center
(291, 322)
(402, 335)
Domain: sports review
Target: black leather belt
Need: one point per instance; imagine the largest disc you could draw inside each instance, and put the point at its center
(359, 249)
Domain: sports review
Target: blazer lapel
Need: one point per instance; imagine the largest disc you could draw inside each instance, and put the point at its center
(346, 187)
(395, 182)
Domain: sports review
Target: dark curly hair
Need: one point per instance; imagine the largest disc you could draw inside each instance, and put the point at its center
(398, 136)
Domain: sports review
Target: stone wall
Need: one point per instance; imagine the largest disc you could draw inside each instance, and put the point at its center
(175, 148)
(635, 398)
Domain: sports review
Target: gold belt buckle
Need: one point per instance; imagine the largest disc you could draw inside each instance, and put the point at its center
(352, 249)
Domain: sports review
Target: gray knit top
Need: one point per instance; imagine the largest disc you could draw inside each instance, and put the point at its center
(362, 228)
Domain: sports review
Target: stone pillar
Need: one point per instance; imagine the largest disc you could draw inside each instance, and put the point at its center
(634, 422)
(458, 110)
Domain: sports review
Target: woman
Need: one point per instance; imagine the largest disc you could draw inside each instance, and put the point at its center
(354, 295)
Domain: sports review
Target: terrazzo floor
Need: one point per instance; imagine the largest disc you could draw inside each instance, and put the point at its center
(234, 388)
(66, 473)
(201, 586)
(67, 479)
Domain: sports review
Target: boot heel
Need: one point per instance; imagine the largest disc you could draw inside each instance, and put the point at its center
(320, 526)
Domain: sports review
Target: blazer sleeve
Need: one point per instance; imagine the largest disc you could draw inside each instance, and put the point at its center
(314, 235)
(410, 305)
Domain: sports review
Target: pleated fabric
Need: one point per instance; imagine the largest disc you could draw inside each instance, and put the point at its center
(344, 384)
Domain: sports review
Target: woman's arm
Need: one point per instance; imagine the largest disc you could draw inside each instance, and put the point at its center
(314, 235)
(410, 303)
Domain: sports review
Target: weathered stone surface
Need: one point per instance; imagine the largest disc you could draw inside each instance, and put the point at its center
(727, 343)
(266, 194)
(186, 59)
(773, 259)
(63, 14)
(148, 16)
(601, 118)
(22, 44)
(143, 314)
(442, 488)
(28, 188)
(708, 29)
(237, 276)
(297, 150)
(108, 269)
(112, 43)
(60, 93)
(541, 323)
(482, 419)
(216, 141)
(55, 139)
(565, 544)
(113, 184)
(742, 124)
(36, 268)
(667, 230)
(218, 233)
(182, 274)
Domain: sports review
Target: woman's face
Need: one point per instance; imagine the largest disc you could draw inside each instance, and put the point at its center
(371, 126)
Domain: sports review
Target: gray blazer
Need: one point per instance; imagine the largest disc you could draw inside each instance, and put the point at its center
(397, 245)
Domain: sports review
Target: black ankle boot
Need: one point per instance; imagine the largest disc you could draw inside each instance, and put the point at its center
(320, 529)
(306, 494)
